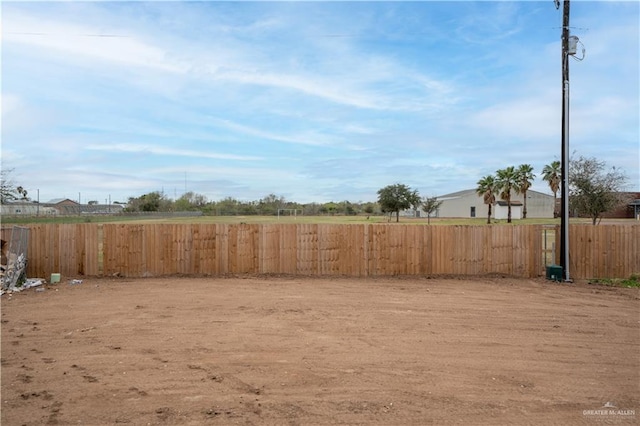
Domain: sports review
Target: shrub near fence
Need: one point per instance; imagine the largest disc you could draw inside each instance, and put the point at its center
(138, 250)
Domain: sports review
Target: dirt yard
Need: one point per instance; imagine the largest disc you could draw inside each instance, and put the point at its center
(309, 351)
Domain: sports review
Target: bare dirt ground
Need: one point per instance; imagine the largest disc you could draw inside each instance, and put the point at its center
(310, 351)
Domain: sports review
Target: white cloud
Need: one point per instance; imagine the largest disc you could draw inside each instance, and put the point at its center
(198, 85)
(159, 150)
(530, 119)
(306, 138)
(89, 42)
(10, 103)
(347, 82)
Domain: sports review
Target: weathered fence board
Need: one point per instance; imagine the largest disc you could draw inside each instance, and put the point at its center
(324, 249)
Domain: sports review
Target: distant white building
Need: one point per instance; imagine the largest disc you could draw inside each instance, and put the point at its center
(23, 208)
(60, 207)
(500, 210)
(468, 203)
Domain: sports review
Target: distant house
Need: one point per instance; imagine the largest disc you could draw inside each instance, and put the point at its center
(65, 206)
(68, 207)
(635, 206)
(468, 203)
(62, 202)
(58, 207)
(629, 209)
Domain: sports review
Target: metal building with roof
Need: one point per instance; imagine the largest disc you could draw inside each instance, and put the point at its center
(468, 203)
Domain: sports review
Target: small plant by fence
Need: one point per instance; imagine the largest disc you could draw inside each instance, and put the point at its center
(138, 250)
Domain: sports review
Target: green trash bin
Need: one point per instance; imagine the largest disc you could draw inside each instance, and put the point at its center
(554, 272)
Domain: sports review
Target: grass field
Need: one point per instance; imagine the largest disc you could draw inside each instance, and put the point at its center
(274, 219)
(337, 219)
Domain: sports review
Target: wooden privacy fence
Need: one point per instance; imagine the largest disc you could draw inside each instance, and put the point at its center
(604, 251)
(324, 249)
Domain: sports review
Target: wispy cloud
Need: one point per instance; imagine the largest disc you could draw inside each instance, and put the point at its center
(172, 152)
(317, 100)
(310, 138)
(86, 42)
(488, 24)
(532, 119)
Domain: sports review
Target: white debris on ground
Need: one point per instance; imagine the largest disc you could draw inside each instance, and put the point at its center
(29, 283)
(13, 275)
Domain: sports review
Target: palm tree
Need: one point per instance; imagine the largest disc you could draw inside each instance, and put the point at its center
(552, 174)
(506, 182)
(487, 190)
(525, 178)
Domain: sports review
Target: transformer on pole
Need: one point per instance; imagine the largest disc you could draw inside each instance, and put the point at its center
(569, 48)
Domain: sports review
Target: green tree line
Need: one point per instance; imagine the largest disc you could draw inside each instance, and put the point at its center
(270, 205)
(593, 191)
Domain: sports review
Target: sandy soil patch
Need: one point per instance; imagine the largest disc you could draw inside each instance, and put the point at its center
(277, 350)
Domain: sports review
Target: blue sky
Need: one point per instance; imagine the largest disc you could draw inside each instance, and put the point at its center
(313, 101)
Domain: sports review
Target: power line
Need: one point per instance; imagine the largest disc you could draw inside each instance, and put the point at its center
(68, 35)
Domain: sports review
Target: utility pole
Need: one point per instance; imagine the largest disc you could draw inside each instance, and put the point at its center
(564, 224)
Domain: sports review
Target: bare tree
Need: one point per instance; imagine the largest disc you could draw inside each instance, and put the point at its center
(8, 189)
(593, 190)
